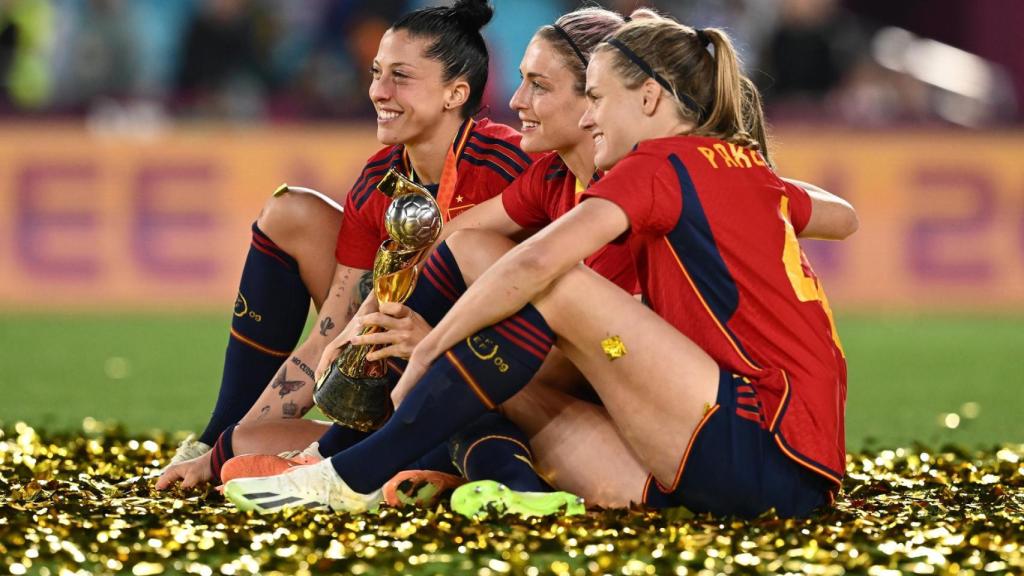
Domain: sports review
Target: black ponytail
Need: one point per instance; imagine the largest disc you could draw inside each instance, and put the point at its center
(456, 42)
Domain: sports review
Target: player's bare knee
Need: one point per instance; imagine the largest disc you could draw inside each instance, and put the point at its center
(292, 216)
(477, 250)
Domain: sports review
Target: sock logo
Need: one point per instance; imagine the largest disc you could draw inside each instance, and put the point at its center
(242, 309)
(482, 347)
(485, 349)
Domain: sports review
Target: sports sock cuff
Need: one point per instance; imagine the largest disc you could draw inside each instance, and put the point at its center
(526, 334)
(439, 286)
(499, 360)
(263, 243)
(338, 438)
(221, 452)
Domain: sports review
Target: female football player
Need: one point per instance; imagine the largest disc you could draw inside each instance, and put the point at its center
(428, 81)
(730, 389)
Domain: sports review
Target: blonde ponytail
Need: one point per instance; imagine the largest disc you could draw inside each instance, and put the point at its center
(701, 69)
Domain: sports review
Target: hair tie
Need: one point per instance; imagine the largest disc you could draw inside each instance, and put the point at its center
(685, 99)
(703, 37)
(579, 53)
(627, 19)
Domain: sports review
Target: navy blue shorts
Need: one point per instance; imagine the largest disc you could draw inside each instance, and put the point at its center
(733, 466)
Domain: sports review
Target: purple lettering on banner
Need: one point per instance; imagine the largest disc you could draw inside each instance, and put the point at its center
(156, 228)
(35, 226)
(929, 235)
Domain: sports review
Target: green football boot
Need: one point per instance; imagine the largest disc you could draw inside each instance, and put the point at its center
(480, 498)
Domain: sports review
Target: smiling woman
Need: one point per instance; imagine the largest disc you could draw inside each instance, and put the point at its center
(428, 79)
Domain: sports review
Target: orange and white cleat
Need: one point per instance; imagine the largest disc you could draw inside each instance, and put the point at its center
(262, 465)
(421, 488)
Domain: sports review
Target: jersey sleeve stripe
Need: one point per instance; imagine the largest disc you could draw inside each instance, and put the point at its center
(494, 152)
(556, 174)
(488, 164)
(372, 169)
(362, 195)
(507, 145)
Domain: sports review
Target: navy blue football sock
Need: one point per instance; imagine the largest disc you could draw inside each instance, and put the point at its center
(338, 438)
(493, 448)
(270, 313)
(222, 452)
(439, 286)
(438, 460)
(473, 377)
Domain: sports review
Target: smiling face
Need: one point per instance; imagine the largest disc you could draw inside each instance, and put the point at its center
(615, 115)
(408, 90)
(547, 102)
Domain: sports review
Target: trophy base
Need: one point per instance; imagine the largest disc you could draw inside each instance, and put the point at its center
(363, 404)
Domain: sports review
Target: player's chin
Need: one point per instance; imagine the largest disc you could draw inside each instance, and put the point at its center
(534, 141)
(602, 160)
(389, 134)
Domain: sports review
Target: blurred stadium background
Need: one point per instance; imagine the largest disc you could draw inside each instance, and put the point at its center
(139, 138)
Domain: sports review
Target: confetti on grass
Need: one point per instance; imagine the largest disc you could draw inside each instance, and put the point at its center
(85, 504)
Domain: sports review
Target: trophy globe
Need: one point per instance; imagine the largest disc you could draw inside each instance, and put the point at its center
(413, 221)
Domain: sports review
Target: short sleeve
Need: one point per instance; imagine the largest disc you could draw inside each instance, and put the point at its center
(521, 202)
(799, 206)
(642, 186)
(359, 236)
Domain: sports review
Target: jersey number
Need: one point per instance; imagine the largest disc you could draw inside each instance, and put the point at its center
(805, 284)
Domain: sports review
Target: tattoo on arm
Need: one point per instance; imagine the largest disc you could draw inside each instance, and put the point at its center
(325, 325)
(302, 366)
(290, 410)
(263, 413)
(286, 386)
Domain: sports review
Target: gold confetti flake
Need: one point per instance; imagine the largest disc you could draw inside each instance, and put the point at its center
(84, 503)
(614, 348)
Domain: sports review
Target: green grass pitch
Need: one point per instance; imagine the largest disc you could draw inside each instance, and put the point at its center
(906, 374)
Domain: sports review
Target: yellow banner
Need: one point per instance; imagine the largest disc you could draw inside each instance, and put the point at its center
(941, 217)
(102, 222)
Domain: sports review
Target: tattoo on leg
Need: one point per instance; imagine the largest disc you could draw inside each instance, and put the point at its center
(304, 367)
(286, 386)
(290, 410)
(325, 325)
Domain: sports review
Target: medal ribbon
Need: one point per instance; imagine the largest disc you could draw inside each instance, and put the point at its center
(450, 172)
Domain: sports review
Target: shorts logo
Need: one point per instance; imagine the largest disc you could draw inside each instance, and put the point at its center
(485, 349)
(242, 309)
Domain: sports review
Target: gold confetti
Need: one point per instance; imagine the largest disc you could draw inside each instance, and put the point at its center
(84, 503)
(614, 348)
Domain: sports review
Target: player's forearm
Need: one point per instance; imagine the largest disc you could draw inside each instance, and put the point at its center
(290, 393)
(832, 217)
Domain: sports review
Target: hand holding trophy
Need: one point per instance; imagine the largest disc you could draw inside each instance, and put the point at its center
(355, 392)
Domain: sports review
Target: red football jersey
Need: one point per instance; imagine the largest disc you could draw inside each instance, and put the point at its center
(489, 159)
(713, 233)
(546, 191)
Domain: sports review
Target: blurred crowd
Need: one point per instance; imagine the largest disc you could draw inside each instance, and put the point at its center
(309, 59)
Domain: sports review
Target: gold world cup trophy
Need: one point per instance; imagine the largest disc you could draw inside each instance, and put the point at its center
(355, 392)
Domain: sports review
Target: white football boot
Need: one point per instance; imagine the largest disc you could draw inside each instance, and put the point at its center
(314, 487)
